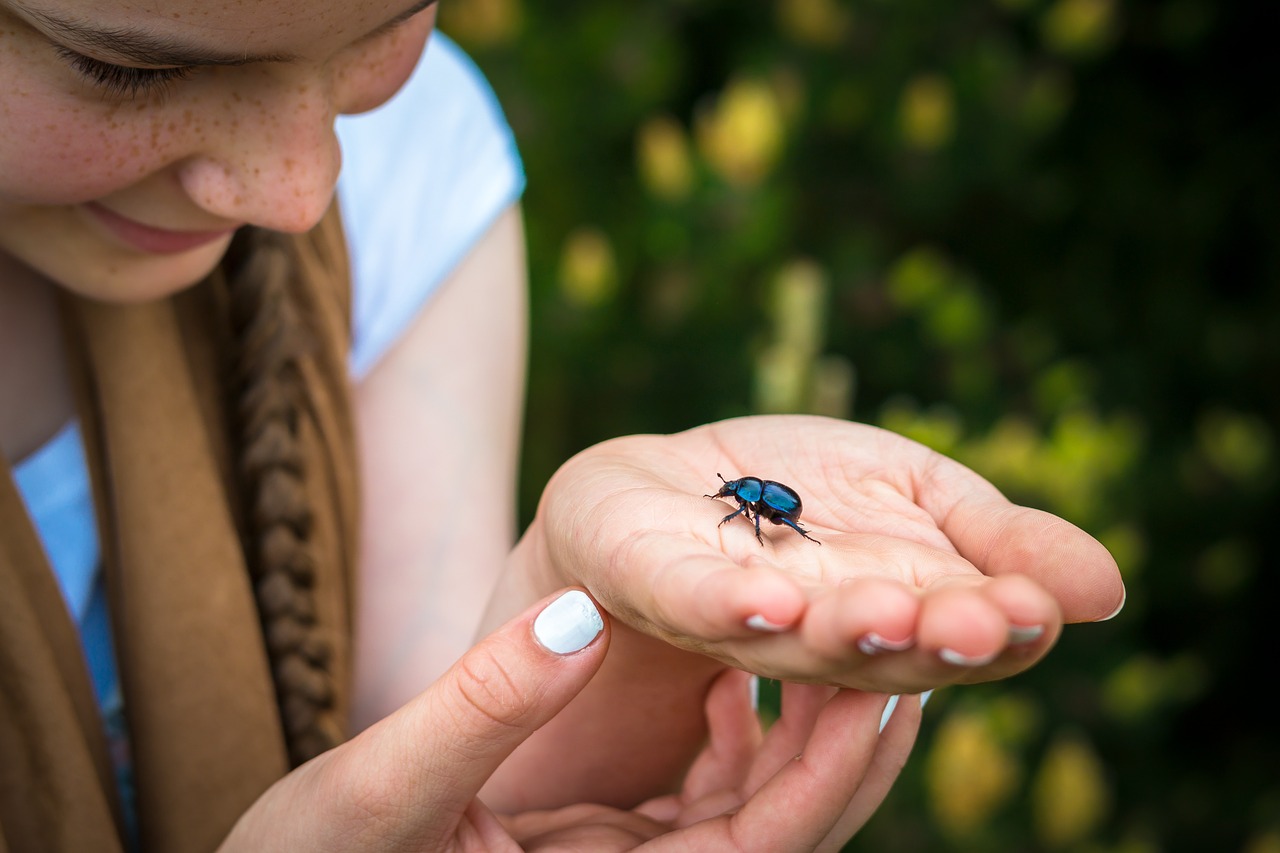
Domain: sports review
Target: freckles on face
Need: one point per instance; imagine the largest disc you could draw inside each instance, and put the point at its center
(70, 155)
(63, 147)
(76, 144)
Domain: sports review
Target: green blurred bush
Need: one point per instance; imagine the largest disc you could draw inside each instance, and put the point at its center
(1038, 235)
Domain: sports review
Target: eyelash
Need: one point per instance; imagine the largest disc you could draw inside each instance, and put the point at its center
(121, 80)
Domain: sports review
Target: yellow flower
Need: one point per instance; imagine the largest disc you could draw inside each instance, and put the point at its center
(968, 773)
(588, 270)
(741, 134)
(1079, 27)
(823, 23)
(665, 165)
(1069, 795)
(926, 116)
(482, 22)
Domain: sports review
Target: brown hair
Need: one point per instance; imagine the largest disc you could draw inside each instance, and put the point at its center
(268, 400)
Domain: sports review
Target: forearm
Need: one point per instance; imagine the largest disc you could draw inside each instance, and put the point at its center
(628, 736)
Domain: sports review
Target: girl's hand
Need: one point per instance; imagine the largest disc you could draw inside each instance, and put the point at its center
(410, 782)
(810, 783)
(926, 575)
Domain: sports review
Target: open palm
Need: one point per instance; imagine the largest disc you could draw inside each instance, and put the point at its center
(925, 575)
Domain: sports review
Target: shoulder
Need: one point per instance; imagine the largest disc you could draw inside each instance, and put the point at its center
(423, 178)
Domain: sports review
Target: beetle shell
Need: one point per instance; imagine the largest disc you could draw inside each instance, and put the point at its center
(777, 502)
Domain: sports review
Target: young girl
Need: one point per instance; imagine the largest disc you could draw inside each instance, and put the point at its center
(262, 440)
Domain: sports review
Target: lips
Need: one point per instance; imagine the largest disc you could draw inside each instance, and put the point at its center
(148, 238)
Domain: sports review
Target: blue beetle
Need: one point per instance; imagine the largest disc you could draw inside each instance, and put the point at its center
(774, 501)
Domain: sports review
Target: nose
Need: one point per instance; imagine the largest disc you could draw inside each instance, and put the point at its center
(270, 159)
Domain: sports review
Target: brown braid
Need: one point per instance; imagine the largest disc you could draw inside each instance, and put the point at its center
(270, 337)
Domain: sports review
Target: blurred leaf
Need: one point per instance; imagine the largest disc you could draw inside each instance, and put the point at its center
(1236, 445)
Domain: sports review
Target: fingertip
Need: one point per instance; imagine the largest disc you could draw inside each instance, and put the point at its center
(735, 602)
(963, 627)
(1002, 538)
(500, 691)
(1029, 608)
(874, 615)
(1124, 595)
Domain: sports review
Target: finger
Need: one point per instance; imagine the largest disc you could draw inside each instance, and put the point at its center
(787, 738)
(734, 736)
(891, 752)
(863, 617)
(799, 807)
(790, 733)
(425, 764)
(968, 628)
(480, 829)
(1000, 537)
(706, 597)
(1030, 622)
(716, 776)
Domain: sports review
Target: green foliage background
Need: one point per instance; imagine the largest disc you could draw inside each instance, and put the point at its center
(1039, 235)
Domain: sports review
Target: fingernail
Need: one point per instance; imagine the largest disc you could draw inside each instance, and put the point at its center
(1120, 607)
(759, 623)
(873, 644)
(569, 623)
(955, 658)
(1021, 634)
(753, 688)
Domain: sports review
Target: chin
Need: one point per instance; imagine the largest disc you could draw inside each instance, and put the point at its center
(132, 277)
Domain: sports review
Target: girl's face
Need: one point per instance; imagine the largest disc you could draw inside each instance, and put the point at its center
(137, 135)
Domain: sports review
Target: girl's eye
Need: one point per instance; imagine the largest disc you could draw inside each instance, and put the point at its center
(123, 81)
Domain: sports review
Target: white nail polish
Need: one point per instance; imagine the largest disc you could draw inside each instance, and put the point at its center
(873, 644)
(569, 623)
(955, 658)
(888, 711)
(1020, 634)
(759, 623)
(893, 703)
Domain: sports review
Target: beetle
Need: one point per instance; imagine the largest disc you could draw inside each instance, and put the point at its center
(777, 502)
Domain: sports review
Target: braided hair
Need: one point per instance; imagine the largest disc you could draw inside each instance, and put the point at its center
(268, 401)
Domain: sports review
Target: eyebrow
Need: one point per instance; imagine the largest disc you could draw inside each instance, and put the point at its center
(147, 48)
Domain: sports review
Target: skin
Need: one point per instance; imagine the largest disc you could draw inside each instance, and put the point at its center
(958, 584)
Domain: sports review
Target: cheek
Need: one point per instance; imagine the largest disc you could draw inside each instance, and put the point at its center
(371, 75)
(69, 151)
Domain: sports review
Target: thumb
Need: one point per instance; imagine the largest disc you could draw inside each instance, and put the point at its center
(438, 750)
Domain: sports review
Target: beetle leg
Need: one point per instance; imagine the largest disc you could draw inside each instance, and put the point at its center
(796, 527)
(731, 516)
(759, 538)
